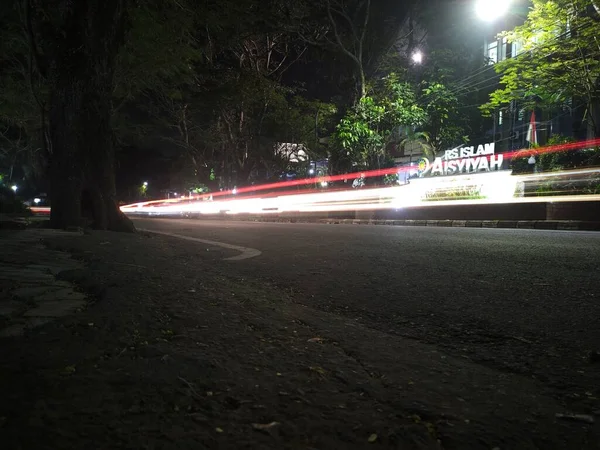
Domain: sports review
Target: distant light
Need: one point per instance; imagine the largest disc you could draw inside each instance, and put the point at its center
(145, 184)
(14, 187)
(324, 183)
(490, 10)
(174, 193)
(417, 57)
(311, 171)
(234, 191)
(37, 200)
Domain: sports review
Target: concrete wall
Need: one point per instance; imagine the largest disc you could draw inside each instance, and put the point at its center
(587, 211)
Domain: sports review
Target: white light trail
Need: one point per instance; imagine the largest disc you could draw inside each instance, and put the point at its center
(482, 188)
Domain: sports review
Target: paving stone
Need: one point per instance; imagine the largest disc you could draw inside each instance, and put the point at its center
(63, 294)
(7, 309)
(37, 277)
(26, 275)
(33, 291)
(13, 330)
(60, 283)
(55, 309)
(34, 322)
(21, 267)
(53, 269)
(29, 267)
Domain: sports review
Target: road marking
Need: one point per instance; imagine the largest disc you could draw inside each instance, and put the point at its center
(246, 252)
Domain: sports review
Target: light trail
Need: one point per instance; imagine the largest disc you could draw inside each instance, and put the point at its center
(491, 188)
(521, 153)
(460, 189)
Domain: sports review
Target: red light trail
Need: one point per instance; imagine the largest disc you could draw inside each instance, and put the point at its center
(498, 187)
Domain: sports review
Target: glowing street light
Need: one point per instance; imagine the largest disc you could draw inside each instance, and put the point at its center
(144, 189)
(14, 187)
(490, 10)
(417, 57)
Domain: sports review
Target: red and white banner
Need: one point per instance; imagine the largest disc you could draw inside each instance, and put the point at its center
(532, 130)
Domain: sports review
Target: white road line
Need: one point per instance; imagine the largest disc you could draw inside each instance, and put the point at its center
(246, 252)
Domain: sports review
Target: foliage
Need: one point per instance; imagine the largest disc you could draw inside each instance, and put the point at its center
(443, 126)
(160, 51)
(364, 132)
(22, 99)
(211, 88)
(555, 161)
(419, 139)
(225, 123)
(391, 179)
(558, 61)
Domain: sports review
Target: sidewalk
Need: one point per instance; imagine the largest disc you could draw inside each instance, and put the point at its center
(172, 350)
(31, 295)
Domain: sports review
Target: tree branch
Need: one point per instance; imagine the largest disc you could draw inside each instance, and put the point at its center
(338, 37)
(32, 41)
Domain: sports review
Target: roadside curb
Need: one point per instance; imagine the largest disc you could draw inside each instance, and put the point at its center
(8, 222)
(571, 225)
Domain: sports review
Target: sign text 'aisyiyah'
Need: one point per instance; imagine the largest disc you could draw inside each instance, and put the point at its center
(471, 159)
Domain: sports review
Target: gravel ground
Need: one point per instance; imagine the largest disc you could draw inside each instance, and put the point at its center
(175, 352)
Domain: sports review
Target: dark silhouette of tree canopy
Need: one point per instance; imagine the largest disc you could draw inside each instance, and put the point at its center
(212, 88)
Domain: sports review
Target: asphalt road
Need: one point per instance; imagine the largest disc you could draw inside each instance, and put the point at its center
(521, 301)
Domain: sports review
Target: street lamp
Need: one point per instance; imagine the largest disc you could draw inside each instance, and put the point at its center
(14, 187)
(145, 184)
(417, 57)
(490, 10)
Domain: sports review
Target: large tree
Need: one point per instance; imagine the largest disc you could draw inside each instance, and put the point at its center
(355, 33)
(75, 46)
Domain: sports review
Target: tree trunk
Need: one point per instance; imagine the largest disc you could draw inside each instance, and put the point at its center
(363, 81)
(594, 112)
(80, 112)
(242, 176)
(593, 120)
(66, 162)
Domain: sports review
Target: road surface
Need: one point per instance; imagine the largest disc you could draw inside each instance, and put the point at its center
(285, 336)
(516, 300)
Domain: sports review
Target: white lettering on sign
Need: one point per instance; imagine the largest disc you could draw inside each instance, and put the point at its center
(469, 152)
(471, 159)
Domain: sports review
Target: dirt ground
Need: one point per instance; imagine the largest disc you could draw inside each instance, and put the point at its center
(174, 354)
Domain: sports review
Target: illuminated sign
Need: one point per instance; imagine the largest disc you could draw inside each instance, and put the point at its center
(462, 160)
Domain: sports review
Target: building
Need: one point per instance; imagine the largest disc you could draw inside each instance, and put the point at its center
(509, 126)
